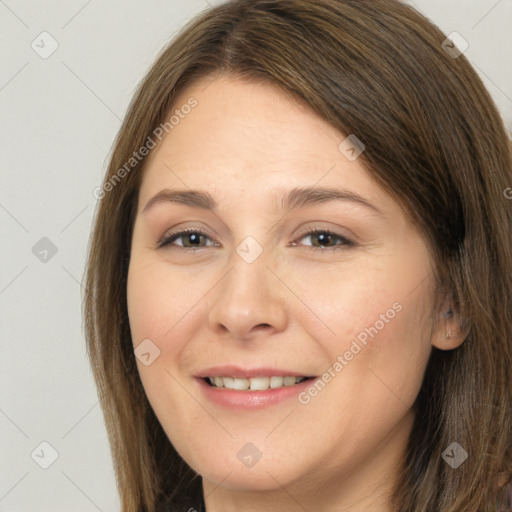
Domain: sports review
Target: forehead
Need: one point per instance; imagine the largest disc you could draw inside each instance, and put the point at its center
(254, 138)
(233, 116)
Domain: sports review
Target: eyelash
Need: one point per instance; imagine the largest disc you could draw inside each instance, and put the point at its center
(346, 242)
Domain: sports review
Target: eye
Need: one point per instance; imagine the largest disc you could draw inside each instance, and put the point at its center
(193, 238)
(325, 237)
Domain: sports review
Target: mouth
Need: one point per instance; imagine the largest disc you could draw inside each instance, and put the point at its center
(251, 393)
(251, 388)
(255, 383)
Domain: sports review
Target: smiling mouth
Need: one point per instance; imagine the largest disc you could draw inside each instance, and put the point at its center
(254, 383)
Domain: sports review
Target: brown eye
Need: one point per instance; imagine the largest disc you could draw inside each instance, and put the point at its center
(326, 240)
(192, 239)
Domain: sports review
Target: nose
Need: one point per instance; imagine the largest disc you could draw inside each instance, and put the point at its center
(248, 301)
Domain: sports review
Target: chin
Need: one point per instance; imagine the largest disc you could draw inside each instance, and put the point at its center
(256, 478)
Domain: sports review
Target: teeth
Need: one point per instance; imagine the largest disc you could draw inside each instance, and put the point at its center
(254, 384)
(276, 382)
(259, 383)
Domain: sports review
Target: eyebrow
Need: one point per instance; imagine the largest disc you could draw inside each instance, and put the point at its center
(293, 199)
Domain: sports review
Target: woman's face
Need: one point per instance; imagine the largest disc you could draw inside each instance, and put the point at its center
(250, 286)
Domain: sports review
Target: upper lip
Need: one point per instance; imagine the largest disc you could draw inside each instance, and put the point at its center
(246, 373)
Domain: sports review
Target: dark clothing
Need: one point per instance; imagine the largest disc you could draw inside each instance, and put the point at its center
(182, 506)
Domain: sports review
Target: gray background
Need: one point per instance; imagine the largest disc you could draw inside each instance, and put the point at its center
(59, 116)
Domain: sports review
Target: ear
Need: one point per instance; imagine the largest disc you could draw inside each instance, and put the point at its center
(448, 334)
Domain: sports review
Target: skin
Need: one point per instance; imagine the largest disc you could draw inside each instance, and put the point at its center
(293, 307)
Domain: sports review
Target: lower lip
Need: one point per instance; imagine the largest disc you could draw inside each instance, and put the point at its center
(251, 399)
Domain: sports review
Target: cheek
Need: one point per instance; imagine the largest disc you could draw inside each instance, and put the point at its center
(156, 299)
(380, 349)
(399, 362)
(385, 359)
(162, 308)
(374, 377)
(159, 312)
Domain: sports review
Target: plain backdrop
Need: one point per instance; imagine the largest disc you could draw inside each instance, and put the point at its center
(59, 115)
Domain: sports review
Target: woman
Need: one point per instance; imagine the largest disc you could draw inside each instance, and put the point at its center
(299, 279)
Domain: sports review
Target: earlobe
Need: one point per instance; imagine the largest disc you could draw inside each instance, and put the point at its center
(449, 333)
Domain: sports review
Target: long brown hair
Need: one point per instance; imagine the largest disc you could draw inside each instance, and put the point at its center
(434, 140)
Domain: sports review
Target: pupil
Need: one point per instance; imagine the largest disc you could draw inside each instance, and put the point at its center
(322, 237)
(194, 238)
